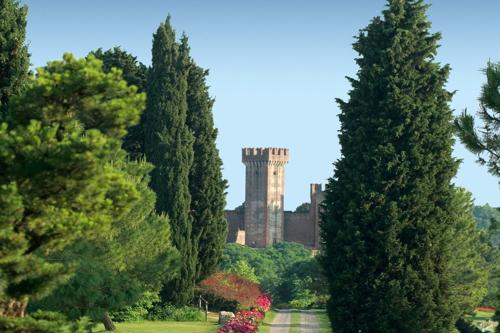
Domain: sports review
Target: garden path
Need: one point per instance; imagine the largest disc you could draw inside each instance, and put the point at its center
(281, 323)
(309, 322)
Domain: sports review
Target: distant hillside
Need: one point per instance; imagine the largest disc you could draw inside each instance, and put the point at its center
(485, 216)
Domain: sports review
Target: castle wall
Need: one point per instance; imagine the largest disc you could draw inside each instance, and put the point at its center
(299, 228)
(263, 220)
(235, 222)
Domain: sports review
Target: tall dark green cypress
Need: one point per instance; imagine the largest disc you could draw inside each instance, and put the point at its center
(387, 220)
(169, 147)
(206, 184)
(14, 57)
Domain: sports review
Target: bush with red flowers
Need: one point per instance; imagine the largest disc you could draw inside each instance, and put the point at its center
(264, 302)
(243, 322)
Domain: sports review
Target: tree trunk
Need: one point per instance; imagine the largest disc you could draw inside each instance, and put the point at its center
(13, 307)
(108, 323)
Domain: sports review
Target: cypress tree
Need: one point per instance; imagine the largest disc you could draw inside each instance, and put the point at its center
(388, 215)
(206, 183)
(169, 147)
(14, 57)
(134, 73)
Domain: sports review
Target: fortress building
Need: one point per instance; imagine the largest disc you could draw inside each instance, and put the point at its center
(262, 221)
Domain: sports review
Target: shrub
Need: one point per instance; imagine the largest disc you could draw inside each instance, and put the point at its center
(264, 302)
(171, 313)
(44, 322)
(217, 303)
(233, 288)
(138, 311)
(244, 322)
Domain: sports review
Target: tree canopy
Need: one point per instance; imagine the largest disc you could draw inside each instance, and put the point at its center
(14, 57)
(169, 147)
(485, 141)
(58, 181)
(389, 216)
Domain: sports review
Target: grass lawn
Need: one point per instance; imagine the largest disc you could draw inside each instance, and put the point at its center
(164, 327)
(295, 322)
(265, 327)
(324, 322)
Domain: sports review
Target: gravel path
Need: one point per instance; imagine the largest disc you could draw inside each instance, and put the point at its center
(281, 323)
(308, 322)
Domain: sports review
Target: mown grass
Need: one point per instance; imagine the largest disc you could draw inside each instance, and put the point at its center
(295, 326)
(265, 327)
(324, 322)
(164, 327)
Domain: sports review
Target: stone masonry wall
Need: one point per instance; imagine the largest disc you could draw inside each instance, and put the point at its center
(299, 228)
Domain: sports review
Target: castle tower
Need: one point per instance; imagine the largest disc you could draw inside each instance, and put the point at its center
(317, 197)
(264, 190)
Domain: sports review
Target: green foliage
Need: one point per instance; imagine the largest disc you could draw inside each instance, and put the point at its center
(303, 208)
(273, 266)
(134, 73)
(304, 285)
(14, 57)
(488, 219)
(44, 322)
(115, 269)
(58, 182)
(243, 269)
(486, 140)
(206, 185)
(468, 266)
(389, 224)
(139, 310)
(170, 312)
(169, 147)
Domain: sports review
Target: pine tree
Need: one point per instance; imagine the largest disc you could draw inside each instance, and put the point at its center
(486, 141)
(134, 73)
(169, 147)
(388, 215)
(58, 182)
(206, 184)
(113, 270)
(14, 57)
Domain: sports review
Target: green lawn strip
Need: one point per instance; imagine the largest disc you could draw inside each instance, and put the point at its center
(324, 322)
(295, 322)
(163, 327)
(265, 326)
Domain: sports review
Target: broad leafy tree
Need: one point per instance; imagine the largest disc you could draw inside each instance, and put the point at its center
(169, 147)
(134, 73)
(389, 215)
(14, 57)
(206, 184)
(484, 142)
(58, 181)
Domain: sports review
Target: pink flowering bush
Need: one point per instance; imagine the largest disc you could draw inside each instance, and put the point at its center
(248, 321)
(264, 302)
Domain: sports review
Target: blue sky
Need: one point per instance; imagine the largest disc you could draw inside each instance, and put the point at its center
(276, 68)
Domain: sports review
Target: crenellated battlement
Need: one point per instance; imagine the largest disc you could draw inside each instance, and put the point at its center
(265, 155)
(264, 220)
(316, 188)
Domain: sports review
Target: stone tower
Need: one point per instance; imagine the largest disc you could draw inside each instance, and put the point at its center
(264, 191)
